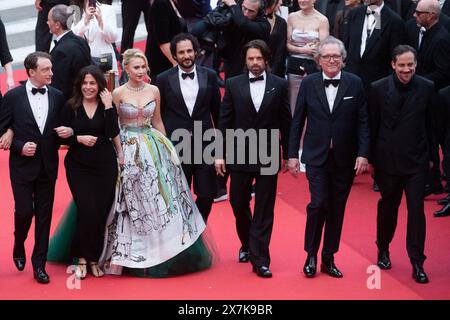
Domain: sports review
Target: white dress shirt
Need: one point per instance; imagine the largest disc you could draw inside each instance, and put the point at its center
(369, 24)
(257, 89)
(39, 105)
(189, 89)
(331, 90)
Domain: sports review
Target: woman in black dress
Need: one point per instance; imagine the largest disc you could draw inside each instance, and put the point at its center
(91, 164)
(165, 22)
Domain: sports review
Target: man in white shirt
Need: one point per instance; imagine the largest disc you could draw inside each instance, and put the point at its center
(190, 97)
(32, 112)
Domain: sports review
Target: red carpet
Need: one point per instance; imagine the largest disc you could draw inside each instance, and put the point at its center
(228, 279)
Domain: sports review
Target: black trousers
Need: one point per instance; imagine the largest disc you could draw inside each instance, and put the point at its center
(391, 189)
(43, 37)
(34, 198)
(329, 186)
(131, 12)
(254, 232)
(203, 178)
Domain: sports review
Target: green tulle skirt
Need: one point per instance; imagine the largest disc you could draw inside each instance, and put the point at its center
(197, 257)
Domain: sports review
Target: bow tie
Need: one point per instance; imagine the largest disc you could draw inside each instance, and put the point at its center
(333, 82)
(184, 75)
(259, 78)
(369, 12)
(40, 90)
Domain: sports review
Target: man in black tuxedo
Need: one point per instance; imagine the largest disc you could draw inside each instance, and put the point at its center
(70, 54)
(43, 37)
(372, 33)
(400, 108)
(256, 107)
(32, 112)
(189, 94)
(335, 147)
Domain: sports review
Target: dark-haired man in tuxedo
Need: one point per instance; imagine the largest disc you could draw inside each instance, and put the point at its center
(335, 148)
(255, 103)
(32, 112)
(190, 93)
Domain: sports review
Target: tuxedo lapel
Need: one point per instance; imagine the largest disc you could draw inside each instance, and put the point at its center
(268, 93)
(202, 85)
(320, 90)
(393, 107)
(246, 95)
(174, 82)
(359, 25)
(340, 93)
(376, 33)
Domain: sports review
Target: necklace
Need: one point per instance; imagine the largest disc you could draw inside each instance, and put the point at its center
(135, 89)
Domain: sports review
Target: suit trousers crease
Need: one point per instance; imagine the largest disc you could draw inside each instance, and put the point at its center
(34, 198)
(330, 187)
(254, 232)
(391, 189)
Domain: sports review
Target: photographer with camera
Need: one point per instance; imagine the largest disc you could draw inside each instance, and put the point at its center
(247, 23)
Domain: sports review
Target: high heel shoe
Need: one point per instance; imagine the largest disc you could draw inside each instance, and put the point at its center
(81, 270)
(95, 270)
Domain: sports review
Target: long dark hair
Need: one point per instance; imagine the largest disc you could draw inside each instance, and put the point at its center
(77, 96)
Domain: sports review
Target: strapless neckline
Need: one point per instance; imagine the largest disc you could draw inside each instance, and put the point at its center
(145, 105)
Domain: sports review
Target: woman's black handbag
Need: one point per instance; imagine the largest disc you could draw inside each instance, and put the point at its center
(105, 62)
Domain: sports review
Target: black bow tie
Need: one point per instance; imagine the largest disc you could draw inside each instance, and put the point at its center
(40, 90)
(259, 78)
(369, 12)
(333, 82)
(184, 75)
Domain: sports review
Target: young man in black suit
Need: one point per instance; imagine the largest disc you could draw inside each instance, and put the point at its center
(335, 147)
(400, 108)
(70, 54)
(32, 112)
(43, 37)
(190, 94)
(255, 105)
(372, 32)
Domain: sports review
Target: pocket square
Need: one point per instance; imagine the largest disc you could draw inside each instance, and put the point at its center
(346, 98)
(270, 90)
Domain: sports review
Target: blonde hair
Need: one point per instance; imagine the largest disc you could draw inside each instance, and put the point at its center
(134, 53)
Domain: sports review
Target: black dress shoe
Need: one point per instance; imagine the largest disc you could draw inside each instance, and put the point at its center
(19, 256)
(310, 267)
(263, 272)
(419, 274)
(41, 276)
(444, 212)
(444, 201)
(329, 268)
(244, 256)
(383, 261)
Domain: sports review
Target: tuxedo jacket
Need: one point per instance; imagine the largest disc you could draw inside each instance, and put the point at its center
(375, 63)
(16, 113)
(238, 112)
(401, 135)
(69, 56)
(433, 56)
(174, 111)
(345, 128)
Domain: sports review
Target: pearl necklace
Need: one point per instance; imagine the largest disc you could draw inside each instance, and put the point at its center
(135, 89)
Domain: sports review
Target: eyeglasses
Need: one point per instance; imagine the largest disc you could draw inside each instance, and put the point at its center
(331, 57)
(418, 12)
